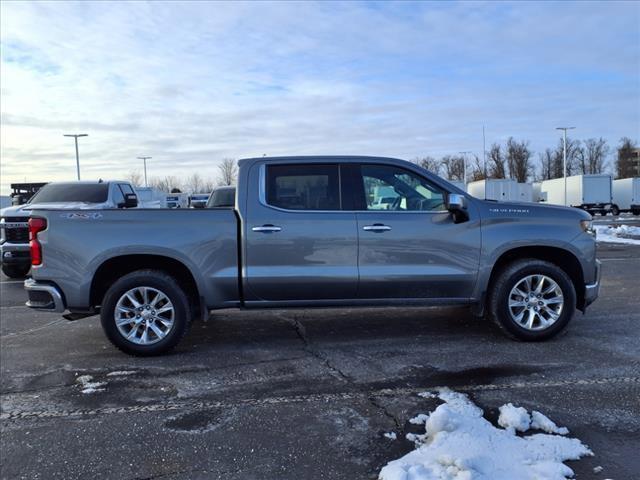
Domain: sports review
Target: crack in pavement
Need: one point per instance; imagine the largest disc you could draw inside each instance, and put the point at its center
(302, 334)
(13, 415)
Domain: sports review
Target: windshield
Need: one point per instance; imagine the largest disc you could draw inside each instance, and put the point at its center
(222, 198)
(72, 192)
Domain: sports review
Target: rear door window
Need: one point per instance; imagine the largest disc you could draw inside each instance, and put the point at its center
(303, 187)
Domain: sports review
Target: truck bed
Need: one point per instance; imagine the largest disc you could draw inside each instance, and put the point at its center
(77, 242)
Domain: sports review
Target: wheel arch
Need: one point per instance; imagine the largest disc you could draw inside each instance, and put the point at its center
(563, 258)
(116, 267)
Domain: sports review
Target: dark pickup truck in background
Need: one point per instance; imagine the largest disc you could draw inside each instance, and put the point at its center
(308, 232)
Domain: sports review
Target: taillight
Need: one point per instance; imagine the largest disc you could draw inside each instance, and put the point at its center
(36, 225)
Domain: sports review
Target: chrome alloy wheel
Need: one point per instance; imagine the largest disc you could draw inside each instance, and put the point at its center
(144, 315)
(536, 302)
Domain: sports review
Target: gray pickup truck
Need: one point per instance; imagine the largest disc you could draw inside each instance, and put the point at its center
(310, 232)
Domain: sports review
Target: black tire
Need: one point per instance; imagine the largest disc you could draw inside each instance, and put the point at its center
(15, 271)
(508, 278)
(169, 287)
(635, 212)
(615, 211)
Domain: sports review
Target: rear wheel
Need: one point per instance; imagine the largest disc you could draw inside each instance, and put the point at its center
(145, 313)
(532, 300)
(16, 271)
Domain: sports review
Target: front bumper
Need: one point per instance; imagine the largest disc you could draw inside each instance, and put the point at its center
(592, 290)
(15, 254)
(43, 296)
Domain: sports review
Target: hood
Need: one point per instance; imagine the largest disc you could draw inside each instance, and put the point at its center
(529, 208)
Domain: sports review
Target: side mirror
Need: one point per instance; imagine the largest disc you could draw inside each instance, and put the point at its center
(130, 200)
(455, 202)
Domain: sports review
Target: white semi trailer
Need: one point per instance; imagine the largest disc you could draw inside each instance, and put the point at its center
(592, 193)
(501, 189)
(626, 194)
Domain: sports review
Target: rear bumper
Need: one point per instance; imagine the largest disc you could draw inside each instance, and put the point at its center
(43, 296)
(592, 290)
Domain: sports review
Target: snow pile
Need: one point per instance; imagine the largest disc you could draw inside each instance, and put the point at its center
(88, 386)
(514, 418)
(541, 422)
(390, 435)
(618, 234)
(459, 444)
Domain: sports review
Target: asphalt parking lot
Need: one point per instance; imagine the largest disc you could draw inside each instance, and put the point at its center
(307, 394)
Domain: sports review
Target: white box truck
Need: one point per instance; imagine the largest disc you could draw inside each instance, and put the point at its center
(588, 192)
(626, 195)
(537, 195)
(501, 189)
(524, 192)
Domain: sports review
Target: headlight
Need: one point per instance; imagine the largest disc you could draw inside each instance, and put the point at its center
(587, 226)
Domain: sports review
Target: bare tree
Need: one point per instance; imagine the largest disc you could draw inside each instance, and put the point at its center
(592, 157)
(547, 160)
(228, 172)
(624, 163)
(453, 167)
(428, 163)
(477, 170)
(194, 183)
(574, 149)
(497, 162)
(134, 177)
(208, 185)
(519, 159)
(166, 184)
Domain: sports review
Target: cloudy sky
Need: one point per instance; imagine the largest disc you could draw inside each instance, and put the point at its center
(192, 83)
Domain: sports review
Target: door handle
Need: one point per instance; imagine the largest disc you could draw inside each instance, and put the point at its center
(266, 229)
(376, 227)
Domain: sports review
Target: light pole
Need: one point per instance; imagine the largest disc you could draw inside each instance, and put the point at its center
(144, 159)
(464, 163)
(75, 137)
(564, 159)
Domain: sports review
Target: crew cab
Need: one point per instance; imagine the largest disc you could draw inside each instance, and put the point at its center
(14, 232)
(306, 232)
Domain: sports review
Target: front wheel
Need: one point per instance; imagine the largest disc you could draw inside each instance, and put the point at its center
(532, 300)
(15, 271)
(145, 313)
(615, 211)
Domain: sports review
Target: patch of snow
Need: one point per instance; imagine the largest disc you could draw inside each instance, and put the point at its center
(428, 395)
(390, 435)
(597, 469)
(514, 418)
(544, 423)
(460, 444)
(618, 234)
(121, 373)
(88, 386)
(419, 419)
